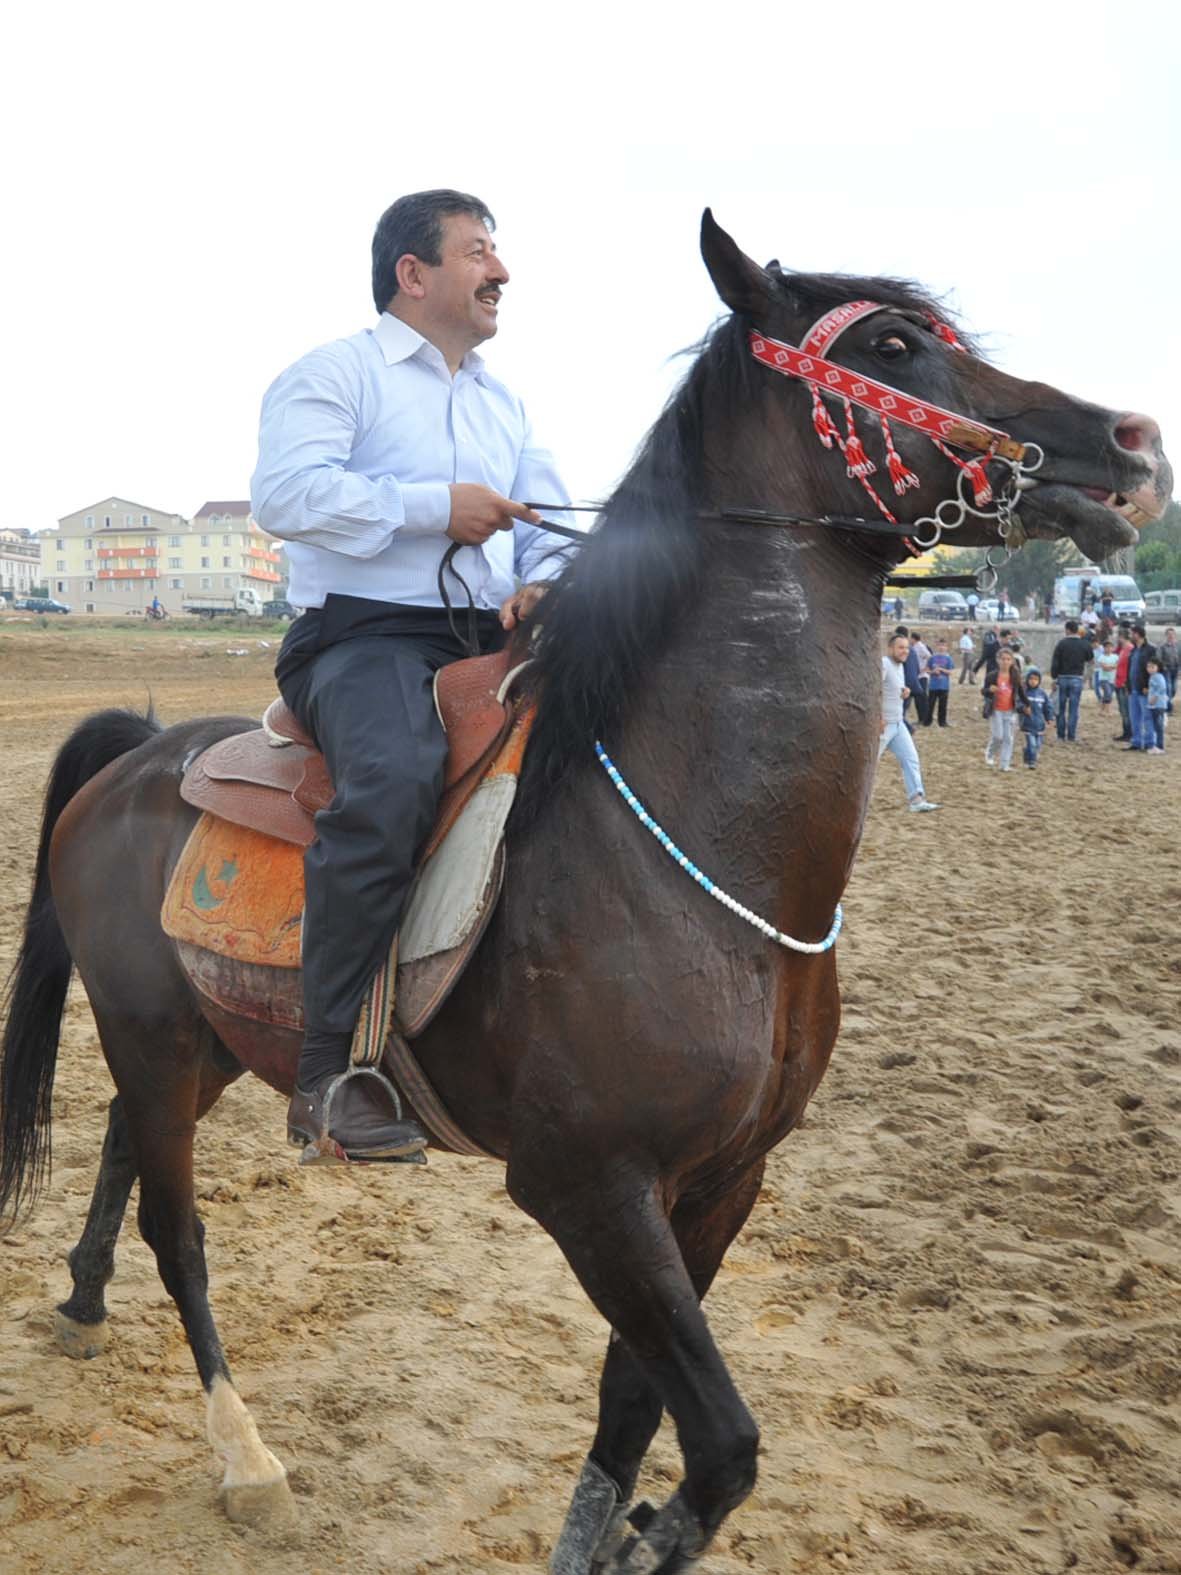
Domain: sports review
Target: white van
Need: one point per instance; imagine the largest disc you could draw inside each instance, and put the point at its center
(1069, 590)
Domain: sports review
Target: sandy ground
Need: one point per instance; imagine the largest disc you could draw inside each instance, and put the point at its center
(955, 1311)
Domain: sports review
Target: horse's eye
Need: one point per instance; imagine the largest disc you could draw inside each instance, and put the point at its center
(891, 346)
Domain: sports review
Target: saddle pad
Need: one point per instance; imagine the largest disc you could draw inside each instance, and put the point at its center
(238, 894)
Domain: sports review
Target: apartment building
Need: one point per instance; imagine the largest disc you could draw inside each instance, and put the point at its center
(116, 556)
(20, 563)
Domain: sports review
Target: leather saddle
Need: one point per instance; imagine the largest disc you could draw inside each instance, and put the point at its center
(273, 779)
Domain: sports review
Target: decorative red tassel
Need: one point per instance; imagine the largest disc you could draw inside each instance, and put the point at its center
(822, 422)
(981, 486)
(857, 460)
(899, 475)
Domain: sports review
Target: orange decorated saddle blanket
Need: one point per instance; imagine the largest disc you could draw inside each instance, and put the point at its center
(234, 904)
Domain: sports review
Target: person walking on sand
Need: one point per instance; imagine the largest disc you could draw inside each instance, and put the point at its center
(1004, 689)
(967, 652)
(1067, 666)
(1037, 711)
(894, 733)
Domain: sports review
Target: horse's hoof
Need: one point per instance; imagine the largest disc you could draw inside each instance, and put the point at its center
(81, 1340)
(268, 1504)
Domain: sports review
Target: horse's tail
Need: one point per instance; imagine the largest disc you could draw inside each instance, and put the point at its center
(36, 991)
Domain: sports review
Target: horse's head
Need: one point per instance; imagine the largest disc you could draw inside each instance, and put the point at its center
(1104, 472)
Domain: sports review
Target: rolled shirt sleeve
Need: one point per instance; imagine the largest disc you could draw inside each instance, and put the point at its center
(301, 490)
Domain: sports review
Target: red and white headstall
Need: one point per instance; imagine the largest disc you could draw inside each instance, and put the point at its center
(828, 379)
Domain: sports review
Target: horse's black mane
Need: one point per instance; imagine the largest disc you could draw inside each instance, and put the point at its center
(616, 604)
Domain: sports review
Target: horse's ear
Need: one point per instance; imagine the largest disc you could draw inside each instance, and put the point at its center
(741, 283)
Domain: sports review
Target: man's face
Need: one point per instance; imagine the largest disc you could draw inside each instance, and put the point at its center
(461, 294)
(899, 646)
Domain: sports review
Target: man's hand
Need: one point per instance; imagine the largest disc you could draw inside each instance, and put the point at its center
(520, 604)
(477, 512)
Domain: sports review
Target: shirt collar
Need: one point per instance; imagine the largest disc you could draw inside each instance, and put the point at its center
(397, 342)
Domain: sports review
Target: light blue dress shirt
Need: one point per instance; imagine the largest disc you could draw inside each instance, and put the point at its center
(357, 445)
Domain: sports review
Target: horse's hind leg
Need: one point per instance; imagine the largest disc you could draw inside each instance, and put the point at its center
(255, 1484)
(82, 1320)
(617, 1236)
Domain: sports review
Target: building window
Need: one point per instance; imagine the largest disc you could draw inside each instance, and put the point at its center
(106, 522)
(88, 544)
(176, 585)
(174, 541)
(151, 541)
(204, 563)
(225, 541)
(206, 582)
(61, 565)
(227, 579)
(226, 563)
(61, 585)
(145, 519)
(204, 541)
(88, 564)
(90, 522)
(176, 563)
(90, 587)
(129, 519)
(90, 605)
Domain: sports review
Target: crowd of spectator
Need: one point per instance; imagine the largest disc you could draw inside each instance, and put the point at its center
(1125, 669)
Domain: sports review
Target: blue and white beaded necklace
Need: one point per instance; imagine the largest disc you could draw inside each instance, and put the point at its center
(707, 885)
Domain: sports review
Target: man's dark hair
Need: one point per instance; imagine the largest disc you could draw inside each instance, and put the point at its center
(1138, 628)
(1072, 626)
(414, 224)
(901, 629)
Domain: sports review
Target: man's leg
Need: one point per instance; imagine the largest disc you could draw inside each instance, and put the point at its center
(1135, 724)
(901, 746)
(1125, 717)
(369, 705)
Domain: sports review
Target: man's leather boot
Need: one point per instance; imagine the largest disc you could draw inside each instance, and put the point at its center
(354, 1115)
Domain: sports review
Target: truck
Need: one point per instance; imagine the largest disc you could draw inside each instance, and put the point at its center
(245, 602)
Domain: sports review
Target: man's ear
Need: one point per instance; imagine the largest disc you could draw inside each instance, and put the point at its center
(408, 272)
(741, 283)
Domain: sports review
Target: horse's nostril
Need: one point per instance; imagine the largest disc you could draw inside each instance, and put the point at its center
(1136, 432)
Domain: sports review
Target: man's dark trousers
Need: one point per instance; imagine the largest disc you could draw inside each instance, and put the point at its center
(359, 676)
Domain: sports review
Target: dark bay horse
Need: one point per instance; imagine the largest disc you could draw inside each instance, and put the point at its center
(632, 1049)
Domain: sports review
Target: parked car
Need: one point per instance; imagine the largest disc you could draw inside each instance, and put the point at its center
(942, 604)
(277, 607)
(41, 604)
(1162, 606)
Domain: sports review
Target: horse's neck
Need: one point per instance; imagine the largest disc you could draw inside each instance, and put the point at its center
(755, 731)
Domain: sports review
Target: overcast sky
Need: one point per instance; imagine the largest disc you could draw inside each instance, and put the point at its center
(190, 193)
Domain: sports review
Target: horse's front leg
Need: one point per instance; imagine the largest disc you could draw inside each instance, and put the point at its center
(613, 1229)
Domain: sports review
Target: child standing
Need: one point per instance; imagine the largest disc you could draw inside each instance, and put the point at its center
(1158, 705)
(1003, 688)
(1037, 711)
(941, 666)
(1106, 662)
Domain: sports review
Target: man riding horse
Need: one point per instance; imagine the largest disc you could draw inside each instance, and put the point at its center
(378, 455)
